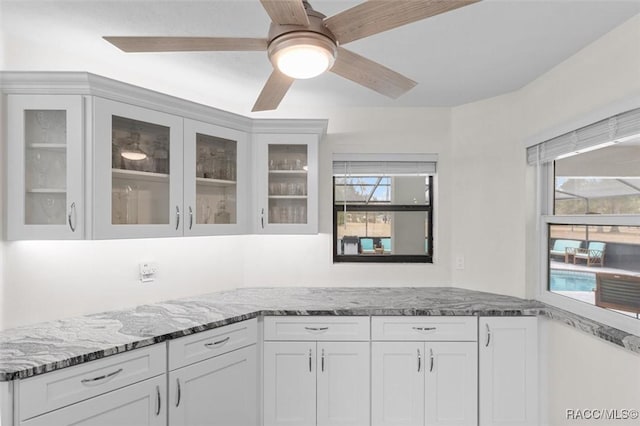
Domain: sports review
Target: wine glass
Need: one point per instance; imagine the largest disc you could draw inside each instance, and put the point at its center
(41, 166)
(44, 120)
(49, 206)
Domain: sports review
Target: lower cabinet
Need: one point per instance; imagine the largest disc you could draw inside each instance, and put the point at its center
(508, 349)
(218, 391)
(316, 383)
(140, 404)
(424, 383)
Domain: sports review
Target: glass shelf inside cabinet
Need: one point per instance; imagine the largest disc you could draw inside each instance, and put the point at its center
(216, 180)
(288, 186)
(45, 166)
(140, 172)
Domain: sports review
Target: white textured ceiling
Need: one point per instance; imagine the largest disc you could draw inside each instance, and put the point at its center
(479, 51)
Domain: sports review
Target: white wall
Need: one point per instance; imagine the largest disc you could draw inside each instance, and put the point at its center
(581, 372)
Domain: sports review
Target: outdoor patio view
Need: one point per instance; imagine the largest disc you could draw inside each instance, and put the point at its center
(598, 264)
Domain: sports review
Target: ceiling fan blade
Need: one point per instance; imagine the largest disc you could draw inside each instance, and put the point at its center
(186, 44)
(376, 16)
(273, 91)
(286, 12)
(371, 74)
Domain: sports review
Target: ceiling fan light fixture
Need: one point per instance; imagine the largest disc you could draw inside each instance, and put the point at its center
(302, 54)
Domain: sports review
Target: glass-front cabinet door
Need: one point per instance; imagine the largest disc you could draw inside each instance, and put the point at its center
(288, 183)
(45, 167)
(215, 179)
(138, 163)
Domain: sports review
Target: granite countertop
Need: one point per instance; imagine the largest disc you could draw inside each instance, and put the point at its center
(31, 350)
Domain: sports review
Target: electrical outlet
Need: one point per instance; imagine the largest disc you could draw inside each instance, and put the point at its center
(148, 271)
(460, 262)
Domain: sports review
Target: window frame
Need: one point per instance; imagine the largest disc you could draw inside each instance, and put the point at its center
(546, 217)
(377, 207)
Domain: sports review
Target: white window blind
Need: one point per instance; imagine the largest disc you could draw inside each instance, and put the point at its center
(396, 165)
(608, 131)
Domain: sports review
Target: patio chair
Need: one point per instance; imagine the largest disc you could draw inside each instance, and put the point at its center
(620, 292)
(564, 248)
(594, 254)
(386, 244)
(366, 246)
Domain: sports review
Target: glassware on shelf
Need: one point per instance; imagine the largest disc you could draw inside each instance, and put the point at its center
(41, 166)
(50, 207)
(222, 215)
(45, 121)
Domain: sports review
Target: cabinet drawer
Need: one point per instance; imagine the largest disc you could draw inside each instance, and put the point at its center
(57, 389)
(447, 328)
(316, 328)
(207, 344)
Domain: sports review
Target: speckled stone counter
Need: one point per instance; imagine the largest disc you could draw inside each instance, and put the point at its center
(40, 348)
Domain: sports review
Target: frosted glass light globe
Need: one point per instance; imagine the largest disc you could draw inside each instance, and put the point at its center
(304, 61)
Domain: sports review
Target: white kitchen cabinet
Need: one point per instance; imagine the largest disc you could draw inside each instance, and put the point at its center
(309, 383)
(137, 172)
(220, 391)
(289, 383)
(45, 191)
(428, 381)
(508, 371)
(287, 183)
(140, 404)
(216, 179)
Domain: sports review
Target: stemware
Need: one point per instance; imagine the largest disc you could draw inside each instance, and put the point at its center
(44, 120)
(49, 207)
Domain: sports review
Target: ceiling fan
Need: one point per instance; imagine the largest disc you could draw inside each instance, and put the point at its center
(304, 43)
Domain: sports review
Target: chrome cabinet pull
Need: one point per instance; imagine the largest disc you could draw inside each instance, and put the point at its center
(316, 328)
(262, 218)
(99, 378)
(424, 328)
(310, 352)
(179, 392)
(431, 360)
(190, 218)
(72, 211)
(158, 401)
(322, 361)
(177, 217)
(419, 361)
(488, 335)
(219, 342)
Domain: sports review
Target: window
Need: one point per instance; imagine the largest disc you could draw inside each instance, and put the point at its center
(590, 221)
(383, 209)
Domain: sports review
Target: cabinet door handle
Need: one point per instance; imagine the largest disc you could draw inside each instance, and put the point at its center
(158, 401)
(322, 361)
(72, 212)
(219, 342)
(430, 360)
(177, 217)
(488, 335)
(419, 361)
(316, 328)
(99, 378)
(310, 356)
(262, 218)
(178, 392)
(424, 328)
(190, 218)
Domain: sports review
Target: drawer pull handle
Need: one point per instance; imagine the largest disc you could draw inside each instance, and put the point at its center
(310, 356)
(488, 335)
(179, 392)
(419, 360)
(219, 342)
(158, 401)
(424, 328)
(322, 359)
(99, 378)
(316, 328)
(431, 360)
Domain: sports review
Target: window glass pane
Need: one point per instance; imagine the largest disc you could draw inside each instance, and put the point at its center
(599, 265)
(603, 181)
(376, 233)
(382, 189)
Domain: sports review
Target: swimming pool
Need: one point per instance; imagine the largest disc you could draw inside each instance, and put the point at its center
(561, 280)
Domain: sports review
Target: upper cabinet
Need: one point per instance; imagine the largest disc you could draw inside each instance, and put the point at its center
(287, 183)
(148, 164)
(45, 198)
(137, 174)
